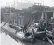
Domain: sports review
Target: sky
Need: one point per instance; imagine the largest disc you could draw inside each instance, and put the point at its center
(43, 2)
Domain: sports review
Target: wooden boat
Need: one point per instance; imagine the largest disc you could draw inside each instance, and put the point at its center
(24, 37)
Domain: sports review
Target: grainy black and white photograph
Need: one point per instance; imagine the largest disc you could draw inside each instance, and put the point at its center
(26, 22)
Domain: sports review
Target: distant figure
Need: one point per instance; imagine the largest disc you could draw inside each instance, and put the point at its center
(33, 38)
(24, 28)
